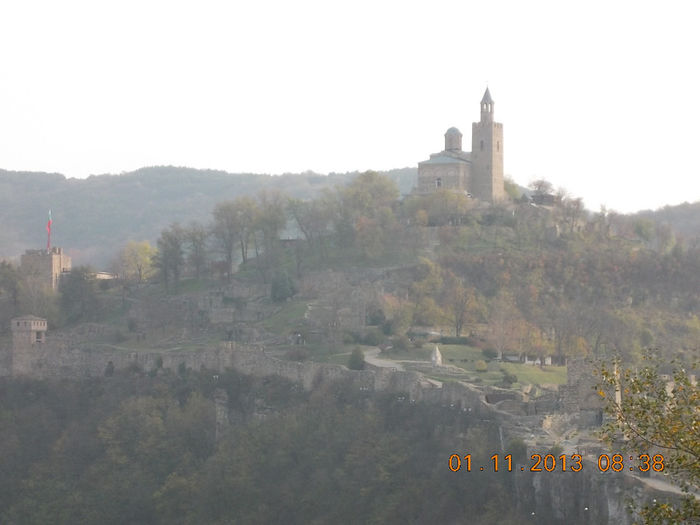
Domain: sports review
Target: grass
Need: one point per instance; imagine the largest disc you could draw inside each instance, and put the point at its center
(529, 374)
(466, 357)
(286, 319)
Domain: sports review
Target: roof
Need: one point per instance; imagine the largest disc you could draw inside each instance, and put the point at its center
(28, 318)
(448, 157)
(487, 97)
(453, 131)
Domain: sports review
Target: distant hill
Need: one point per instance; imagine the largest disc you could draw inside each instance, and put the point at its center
(684, 218)
(93, 217)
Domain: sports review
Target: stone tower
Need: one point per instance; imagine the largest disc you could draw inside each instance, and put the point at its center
(487, 154)
(28, 333)
(48, 266)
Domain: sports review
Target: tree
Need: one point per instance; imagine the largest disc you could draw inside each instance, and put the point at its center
(9, 282)
(541, 187)
(225, 231)
(461, 302)
(282, 287)
(270, 221)
(78, 297)
(356, 361)
(170, 258)
(196, 238)
(135, 261)
(247, 212)
(657, 417)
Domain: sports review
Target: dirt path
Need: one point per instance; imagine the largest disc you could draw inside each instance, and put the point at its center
(372, 357)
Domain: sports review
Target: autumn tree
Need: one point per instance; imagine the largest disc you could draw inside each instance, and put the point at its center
(460, 301)
(658, 419)
(134, 261)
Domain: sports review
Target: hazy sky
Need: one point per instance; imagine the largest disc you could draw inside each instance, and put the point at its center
(601, 98)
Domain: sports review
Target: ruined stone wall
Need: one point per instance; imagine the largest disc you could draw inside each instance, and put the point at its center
(579, 393)
(93, 360)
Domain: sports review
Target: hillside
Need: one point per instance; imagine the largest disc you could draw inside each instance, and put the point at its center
(684, 219)
(93, 217)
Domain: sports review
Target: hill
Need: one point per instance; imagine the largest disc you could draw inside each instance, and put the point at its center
(684, 219)
(93, 217)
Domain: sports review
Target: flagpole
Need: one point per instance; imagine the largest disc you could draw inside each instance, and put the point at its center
(48, 231)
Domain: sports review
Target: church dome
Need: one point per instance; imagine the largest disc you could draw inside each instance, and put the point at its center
(453, 140)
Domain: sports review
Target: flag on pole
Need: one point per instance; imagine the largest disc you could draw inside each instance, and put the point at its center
(48, 230)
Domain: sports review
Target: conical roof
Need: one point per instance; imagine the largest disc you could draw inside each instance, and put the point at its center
(487, 97)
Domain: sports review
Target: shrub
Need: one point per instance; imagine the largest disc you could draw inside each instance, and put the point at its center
(373, 338)
(452, 340)
(401, 342)
(518, 448)
(356, 361)
(282, 287)
(481, 366)
(508, 378)
(375, 316)
(489, 353)
(389, 327)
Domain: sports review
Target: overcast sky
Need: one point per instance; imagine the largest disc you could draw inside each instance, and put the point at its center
(601, 98)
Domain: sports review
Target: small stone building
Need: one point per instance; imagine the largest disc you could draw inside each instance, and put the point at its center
(28, 330)
(28, 336)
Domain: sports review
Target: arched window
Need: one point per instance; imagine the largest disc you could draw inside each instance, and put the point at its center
(498, 146)
(438, 182)
(482, 146)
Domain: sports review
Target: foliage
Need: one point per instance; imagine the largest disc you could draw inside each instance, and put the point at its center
(508, 378)
(282, 287)
(134, 261)
(489, 353)
(356, 361)
(650, 415)
(169, 259)
(481, 366)
(78, 296)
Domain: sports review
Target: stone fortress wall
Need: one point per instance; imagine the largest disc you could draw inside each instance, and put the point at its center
(56, 359)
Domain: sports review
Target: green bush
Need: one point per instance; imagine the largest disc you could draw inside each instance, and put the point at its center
(518, 448)
(508, 378)
(489, 353)
(452, 340)
(373, 338)
(481, 366)
(401, 342)
(357, 359)
(282, 287)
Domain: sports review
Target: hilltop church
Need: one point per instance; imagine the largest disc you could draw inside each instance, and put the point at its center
(478, 173)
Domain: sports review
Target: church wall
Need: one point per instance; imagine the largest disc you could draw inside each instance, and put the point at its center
(454, 177)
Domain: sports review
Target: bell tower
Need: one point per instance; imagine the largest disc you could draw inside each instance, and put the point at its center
(487, 154)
